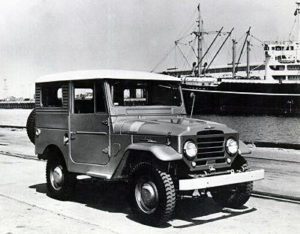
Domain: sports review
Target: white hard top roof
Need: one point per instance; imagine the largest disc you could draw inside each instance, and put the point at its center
(105, 74)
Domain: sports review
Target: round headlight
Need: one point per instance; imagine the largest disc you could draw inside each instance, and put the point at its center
(190, 149)
(232, 146)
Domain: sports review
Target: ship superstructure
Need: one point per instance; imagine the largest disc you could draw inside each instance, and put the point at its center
(269, 87)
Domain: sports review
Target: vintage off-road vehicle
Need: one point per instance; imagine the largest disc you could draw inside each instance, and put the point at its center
(132, 126)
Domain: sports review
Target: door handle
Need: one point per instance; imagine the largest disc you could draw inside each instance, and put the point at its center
(66, 139)
(105, 122)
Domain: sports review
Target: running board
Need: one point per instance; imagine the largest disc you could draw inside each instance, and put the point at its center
(98, 175)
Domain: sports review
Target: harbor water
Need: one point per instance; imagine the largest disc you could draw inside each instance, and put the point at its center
(251, 128)
(262, 128)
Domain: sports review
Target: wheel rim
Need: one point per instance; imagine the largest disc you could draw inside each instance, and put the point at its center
(57, 177)
(146, 196)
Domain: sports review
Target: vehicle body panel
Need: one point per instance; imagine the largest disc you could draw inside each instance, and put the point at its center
(89, 138)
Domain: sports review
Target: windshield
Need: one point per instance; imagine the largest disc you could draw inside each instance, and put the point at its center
(145, 93)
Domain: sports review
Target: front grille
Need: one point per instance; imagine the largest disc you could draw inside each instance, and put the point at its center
(210, 144)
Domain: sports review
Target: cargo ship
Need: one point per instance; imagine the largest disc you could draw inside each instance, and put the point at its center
(271, 87)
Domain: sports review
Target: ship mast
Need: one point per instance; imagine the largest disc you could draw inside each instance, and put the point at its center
(199, 42)
(297, 14)
(248, 59)
(199, 34)
(295, 35)
(233, 57)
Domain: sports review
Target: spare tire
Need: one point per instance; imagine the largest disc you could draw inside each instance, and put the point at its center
(30, 126)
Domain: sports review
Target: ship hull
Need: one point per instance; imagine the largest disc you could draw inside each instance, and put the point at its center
(245, 99)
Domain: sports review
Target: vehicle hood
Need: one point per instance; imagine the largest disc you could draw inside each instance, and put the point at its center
(174, 126)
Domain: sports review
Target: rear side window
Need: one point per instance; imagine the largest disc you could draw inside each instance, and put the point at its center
(52, 96)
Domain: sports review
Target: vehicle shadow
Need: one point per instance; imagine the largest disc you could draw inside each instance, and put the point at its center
(201, 211)
(113, 197)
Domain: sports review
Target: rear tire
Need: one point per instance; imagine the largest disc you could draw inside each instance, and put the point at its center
(152, 194)
(60, 183)
(30, 126)
(233, 196)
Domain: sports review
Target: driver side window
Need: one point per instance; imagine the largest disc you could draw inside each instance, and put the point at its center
(89, 97)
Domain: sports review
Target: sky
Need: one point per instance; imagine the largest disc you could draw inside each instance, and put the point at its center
(40, 37)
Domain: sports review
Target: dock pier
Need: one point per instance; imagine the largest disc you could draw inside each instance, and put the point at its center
(17, 105)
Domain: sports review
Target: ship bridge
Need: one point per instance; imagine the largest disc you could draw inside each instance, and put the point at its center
(283, 51)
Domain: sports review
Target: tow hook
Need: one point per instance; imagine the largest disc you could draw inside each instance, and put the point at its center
(244, 167)
(196, 194)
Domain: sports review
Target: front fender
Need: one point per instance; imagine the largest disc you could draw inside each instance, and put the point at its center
(244, 148)
(161, 152)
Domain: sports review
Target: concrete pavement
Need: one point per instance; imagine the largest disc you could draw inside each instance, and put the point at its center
(18, 216)
(282, 171)
(103, 208)
(15, 141)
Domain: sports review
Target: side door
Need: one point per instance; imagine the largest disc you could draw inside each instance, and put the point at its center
(89, 130)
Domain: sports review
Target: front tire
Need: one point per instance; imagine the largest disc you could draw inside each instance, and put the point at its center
(233, 196)
(152, 194)
(60, 183)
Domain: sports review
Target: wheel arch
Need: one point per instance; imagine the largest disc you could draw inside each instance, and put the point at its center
(52, 151)
(161, 152)
(135, 156)
(159, 155)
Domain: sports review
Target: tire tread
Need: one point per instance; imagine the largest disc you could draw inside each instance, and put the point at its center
(170, 195)
(233, 200)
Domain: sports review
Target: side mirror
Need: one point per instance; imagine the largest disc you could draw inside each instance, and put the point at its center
(193, 96)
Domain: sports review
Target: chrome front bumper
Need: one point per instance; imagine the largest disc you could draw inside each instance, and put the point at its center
(220, 180)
